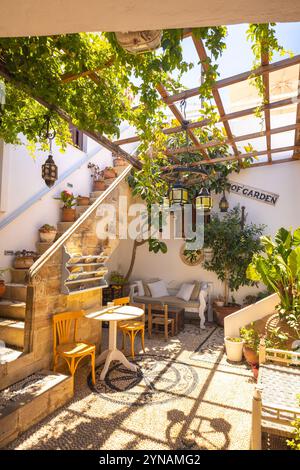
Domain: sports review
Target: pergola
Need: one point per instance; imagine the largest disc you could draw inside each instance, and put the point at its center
(265, 69)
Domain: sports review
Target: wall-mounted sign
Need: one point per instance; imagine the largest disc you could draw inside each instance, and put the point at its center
(254, 193)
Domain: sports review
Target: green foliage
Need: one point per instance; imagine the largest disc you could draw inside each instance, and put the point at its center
(251, 337)
(233, 248)
(117, 278)
(47, 228)
(294, 443)
(279, 269)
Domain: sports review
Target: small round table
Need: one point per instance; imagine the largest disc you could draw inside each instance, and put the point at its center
(122, 313)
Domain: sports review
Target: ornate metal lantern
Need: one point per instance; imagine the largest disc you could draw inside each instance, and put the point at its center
(204, 200)
(138, 42)
(224, 204)
(49, 168)
(179, 194)
(49, 171)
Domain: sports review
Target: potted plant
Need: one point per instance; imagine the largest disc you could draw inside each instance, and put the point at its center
(208, 254)
(97, 176)
(69, 200)
(119, 161)
(251, 343)
(116, 279)
(83, 200)
(109, 172)
(47, 233)
(234, 348)
(24, 259)
(2, 281)
(219, 301)
(278, 267)
(233, 245)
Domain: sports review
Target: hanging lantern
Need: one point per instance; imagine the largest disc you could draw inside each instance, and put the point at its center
(138, 42)
(224, 204)
(204, 200)
(179, 194)
(49, 171)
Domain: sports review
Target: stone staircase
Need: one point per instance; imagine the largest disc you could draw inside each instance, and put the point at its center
(13, 304)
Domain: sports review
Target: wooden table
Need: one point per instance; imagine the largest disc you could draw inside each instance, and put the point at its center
(113, 316)
(173, 312)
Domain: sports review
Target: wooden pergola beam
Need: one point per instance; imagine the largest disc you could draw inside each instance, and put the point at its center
(240, 138)
(263, 69)
(297, 132)
(266, 84)
(231, 158)
(70, 76)
(99, 138)
(198, 43)
(173, 108)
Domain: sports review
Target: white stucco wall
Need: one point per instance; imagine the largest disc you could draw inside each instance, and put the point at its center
(282, 179)
(22, 180)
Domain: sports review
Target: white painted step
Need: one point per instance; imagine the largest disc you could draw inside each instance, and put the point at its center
(9, 354)
(13, 309)
(12, 332)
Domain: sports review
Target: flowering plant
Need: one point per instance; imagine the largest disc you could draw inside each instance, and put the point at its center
(67, 198)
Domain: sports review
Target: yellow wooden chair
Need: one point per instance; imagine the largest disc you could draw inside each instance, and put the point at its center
(65, 344)
(131, 328)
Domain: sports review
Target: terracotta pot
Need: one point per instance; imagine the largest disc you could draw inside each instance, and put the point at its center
(119, 162)
(222, 312)
(2, 288)
(47, 237)
(68, 214)
(99, 186)
(109, 173)
(23, 262)
(83, 200)
(251, 356)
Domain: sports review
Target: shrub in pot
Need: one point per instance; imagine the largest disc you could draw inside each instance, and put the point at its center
(109, 172)
(69, 200)
(24, 259)
(251, 344)
(234, 348)
(83, 200)
(47, 233)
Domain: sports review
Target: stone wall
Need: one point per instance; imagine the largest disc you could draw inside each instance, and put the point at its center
(44, 299)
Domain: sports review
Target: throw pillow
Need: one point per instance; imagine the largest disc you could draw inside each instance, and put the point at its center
(185, 291)
(196, 291)
(158, 289)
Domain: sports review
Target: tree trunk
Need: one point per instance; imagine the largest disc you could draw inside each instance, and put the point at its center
(136, 244)
(226, 289)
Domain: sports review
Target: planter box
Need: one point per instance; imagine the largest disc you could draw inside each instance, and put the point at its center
(222, 312)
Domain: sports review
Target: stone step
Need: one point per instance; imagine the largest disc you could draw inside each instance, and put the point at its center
(27, 402)
(41, 247)
(12, 309)
(120, 169)
(81, 210)
(15, 291)
(18, 276)
(12, 332)
(95, 194)
(63, 226)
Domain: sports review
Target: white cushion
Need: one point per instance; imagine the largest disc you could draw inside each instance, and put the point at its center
(140, 286)
(158, 289)
(185, 291)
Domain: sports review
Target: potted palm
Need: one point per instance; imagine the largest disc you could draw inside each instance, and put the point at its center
(69, 200)
(47, 233)
(97, 176)
(278, 267)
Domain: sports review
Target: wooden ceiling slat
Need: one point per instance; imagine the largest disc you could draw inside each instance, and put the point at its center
(263, 69)
(164, 94)
(203, 59)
